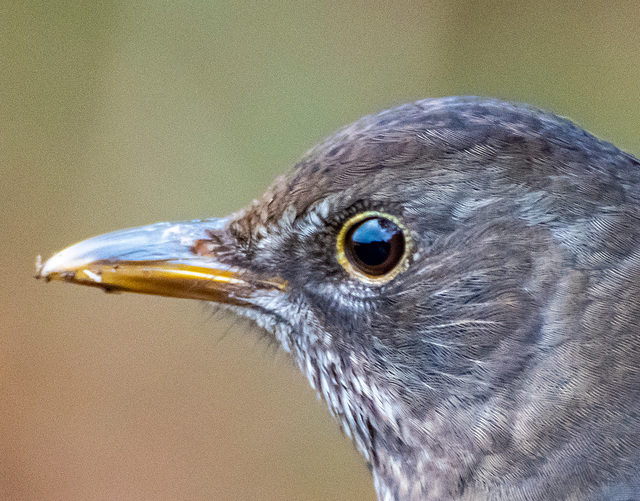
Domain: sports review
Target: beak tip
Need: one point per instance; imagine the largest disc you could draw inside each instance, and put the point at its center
(42, 270)
(38, 267)
(57, 267)
(65, 264)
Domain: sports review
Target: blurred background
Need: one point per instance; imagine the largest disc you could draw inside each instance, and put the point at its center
(124, 113)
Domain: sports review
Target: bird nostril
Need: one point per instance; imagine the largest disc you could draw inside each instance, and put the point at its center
(202, 247)
(372, 247)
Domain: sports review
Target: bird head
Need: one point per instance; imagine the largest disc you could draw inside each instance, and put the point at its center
(438, 272)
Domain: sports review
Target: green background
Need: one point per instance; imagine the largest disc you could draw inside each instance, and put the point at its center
(118, 114)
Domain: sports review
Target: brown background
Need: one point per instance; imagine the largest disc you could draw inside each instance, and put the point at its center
(120, 114)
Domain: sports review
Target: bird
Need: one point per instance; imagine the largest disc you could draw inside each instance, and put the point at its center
(458, 278)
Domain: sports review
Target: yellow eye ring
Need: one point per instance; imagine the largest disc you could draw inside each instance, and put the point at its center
(373, 247)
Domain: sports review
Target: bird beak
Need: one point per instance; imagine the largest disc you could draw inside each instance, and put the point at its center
(165, 259)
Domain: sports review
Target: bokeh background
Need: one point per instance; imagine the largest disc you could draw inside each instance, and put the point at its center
(123, 113)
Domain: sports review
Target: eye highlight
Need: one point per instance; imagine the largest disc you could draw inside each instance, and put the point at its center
(373, 247)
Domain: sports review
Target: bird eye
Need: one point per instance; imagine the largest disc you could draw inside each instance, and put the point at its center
(372, 247)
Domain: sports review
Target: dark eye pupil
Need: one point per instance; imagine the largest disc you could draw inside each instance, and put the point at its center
(375, 245)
